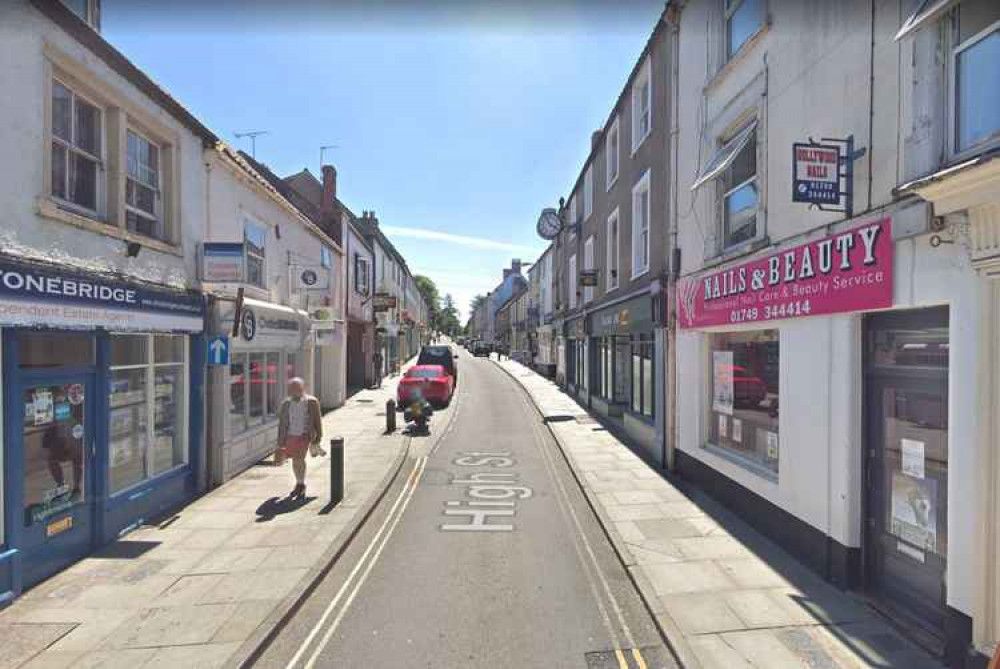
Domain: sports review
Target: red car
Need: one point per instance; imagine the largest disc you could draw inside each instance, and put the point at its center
(432, 382)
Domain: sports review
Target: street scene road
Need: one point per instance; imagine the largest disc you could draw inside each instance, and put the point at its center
(485, 553)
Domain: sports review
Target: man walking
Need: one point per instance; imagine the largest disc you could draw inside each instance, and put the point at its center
(300, 425)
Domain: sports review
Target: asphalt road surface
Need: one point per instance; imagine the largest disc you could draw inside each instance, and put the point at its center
(484, 553)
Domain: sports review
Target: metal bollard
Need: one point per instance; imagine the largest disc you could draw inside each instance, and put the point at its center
(390, 416)
(336, 470)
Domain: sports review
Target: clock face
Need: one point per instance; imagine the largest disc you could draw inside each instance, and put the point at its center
(549, 224)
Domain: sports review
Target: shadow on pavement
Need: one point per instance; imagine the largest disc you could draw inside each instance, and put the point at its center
(276, 506)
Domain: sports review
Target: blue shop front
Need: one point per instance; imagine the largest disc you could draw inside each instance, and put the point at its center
(102, 400)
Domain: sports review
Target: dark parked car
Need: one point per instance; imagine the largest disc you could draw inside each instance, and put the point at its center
(482, 350)
(440, 355)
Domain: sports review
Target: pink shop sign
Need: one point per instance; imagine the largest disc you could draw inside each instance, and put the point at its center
(849, 271)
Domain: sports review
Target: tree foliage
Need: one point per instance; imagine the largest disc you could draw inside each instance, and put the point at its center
(442, 313)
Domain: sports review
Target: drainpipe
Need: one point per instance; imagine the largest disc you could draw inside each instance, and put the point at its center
(673, 250)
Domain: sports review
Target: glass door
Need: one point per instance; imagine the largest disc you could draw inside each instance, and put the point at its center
(907, 482)
(57, 445)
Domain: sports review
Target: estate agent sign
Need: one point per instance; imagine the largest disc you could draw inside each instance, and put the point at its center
(849, 271)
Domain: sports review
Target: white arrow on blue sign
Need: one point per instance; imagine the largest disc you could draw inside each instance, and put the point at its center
(218, 350)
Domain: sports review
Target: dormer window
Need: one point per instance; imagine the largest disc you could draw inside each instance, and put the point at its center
(89, 11)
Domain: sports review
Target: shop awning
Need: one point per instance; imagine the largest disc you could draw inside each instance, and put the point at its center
(927, 12)
(725, 156)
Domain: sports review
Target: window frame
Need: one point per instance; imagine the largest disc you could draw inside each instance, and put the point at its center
(361, 275)
(249, 223)
(588, 192)
(574, 279)
(642, 185)
(119, 112)
(157, 191)
(710, 416)
(611, 176)
(724, 195)
(644, 76)
(325, 257)
(588, 264)
(613, 259)
(728, 11)
(282, 377)
(955, 48)
(70, 147)
(150, 367)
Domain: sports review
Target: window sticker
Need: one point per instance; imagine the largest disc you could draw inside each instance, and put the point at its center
(913, 457)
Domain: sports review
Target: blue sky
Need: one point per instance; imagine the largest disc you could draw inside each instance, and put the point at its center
(456, 122)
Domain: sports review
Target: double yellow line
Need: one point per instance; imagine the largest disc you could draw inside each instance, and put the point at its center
(636, 654)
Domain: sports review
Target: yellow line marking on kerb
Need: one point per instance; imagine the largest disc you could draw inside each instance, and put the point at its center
(638, 658)
(622, 662)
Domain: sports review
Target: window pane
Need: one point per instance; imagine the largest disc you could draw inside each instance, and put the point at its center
(291, 367)
(168, 418)
(55, 349)
(237, 393)
(53, 471)
(275, 385)
(128, 427)
(168, 348)
(636, 382)
(256, 388)
(58, 170)
(256, 238)
(743, 406)
(62, 112)
(743, 23)
(744, 165)
(82, 181)
(87, 135)
(647, 383)
(255, 271)
(741, 214)
(129, 350)
(140, 196)
(978, 105)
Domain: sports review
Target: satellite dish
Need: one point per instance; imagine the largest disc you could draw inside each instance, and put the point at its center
(549, 224)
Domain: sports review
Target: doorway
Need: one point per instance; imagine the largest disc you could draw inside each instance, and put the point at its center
(906, 469)
(57, 481)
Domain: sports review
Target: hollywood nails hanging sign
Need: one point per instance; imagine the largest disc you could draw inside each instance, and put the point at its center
(849, 271)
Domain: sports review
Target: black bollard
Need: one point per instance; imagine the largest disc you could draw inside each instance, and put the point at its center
(390, 416)
(336, 470)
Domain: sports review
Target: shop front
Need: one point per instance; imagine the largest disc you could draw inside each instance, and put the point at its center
(577, 364)
(545, 350)
(624, 382)
(275, 344)
(102, 412)
(827, 393)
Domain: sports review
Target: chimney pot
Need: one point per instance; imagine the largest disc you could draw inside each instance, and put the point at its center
(595, 139)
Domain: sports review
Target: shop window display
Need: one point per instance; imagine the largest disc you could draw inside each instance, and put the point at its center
(147, 400)
(744, 398)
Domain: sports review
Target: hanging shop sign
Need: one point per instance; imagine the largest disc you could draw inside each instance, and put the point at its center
(310, 278)
(222, 262)
(816, 173)
(849, 271)
(383, 302)
(37, 296)
(588, 278)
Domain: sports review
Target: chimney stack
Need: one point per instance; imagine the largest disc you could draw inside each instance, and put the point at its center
(328, 208)
(595, 139)
(515, 266)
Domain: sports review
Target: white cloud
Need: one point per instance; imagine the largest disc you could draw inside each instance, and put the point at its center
(462, 240)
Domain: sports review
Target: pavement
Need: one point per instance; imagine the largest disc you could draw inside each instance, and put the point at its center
(483, 554)
(722, 594)
(205, 587)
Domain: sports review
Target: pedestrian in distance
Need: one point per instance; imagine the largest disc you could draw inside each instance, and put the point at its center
(300, 429)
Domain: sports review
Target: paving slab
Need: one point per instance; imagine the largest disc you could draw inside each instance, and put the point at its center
(723, 595)
(204, 585)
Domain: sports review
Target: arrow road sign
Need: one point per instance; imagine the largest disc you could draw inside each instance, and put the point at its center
(218, 350)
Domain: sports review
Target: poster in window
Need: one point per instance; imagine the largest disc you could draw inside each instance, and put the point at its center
(913, 457)
(722, 426)
(914, 510)
(722, 382)
(772, 445)
(43, 407)
(737, 430)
